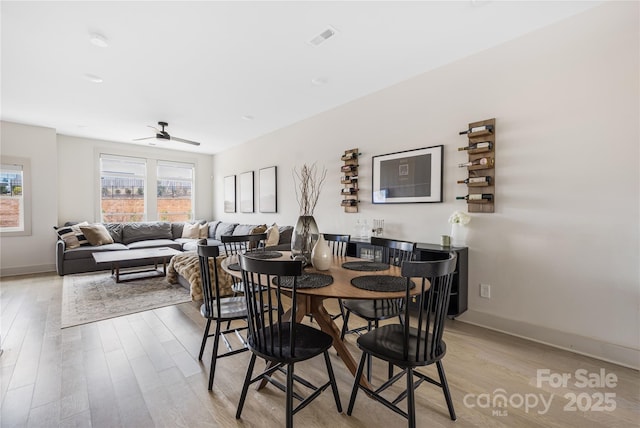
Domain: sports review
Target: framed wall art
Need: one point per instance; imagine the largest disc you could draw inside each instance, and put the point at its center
(230, 194)
(246, 192)
(412, 176)
(268, 190)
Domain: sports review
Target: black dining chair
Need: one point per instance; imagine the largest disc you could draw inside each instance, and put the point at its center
(338, 245)
(394, 252)
(411, 346)
(217, 308)
(238, 244)
(279, 341)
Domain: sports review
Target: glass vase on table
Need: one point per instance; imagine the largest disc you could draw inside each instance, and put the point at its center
(304, 237)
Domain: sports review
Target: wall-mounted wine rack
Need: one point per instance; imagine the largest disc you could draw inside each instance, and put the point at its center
(481, 149)
(349, 179)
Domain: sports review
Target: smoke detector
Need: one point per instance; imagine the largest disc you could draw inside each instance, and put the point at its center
(325, 35)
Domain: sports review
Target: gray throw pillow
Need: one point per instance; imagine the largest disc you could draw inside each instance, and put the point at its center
(224, 229)
(212, 228)
(143, 231)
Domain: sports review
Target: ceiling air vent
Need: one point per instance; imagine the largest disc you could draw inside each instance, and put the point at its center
(323, 36)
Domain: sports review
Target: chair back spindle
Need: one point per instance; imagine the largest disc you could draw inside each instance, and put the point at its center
(395, 252)
(240, 244)
(337, 243)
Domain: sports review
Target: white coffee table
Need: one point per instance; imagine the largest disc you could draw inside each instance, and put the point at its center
(154, 255)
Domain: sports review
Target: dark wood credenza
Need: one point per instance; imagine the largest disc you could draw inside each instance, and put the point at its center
(425, 252)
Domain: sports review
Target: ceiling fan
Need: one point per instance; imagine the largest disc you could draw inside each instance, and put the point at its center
(161, 134)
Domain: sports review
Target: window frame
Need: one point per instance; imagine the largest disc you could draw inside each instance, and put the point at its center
(145, 178)
(151, 180)
(176, 164)
(25, 164)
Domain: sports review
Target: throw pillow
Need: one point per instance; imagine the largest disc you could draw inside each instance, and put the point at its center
(72, 235)
(203, 231)
(273, 235)
(259, 229)
(256, 230)
(191, 231)
(68, 236)
(97, 234)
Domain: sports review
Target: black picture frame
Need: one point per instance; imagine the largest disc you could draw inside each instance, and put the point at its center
(246, 192)
(230, 194)
(268, 190)
(410, 176)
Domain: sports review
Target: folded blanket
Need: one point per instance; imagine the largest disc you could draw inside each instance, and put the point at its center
(188, 266)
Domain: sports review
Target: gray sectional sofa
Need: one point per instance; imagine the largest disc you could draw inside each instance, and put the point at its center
(128, 236)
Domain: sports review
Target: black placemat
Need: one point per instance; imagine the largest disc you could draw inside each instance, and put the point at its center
(263, 254)
(234, 266)
(306, 280)
(381, 283)
(365, 266)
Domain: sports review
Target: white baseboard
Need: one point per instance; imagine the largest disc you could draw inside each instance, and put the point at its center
(26, 270)
(590, 347)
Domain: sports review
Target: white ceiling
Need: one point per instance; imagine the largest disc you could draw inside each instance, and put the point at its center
(202, 66)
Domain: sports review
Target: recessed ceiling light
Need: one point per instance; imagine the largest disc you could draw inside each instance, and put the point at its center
(93, 78)
(247, 117)
(319, 81)
(99, 40)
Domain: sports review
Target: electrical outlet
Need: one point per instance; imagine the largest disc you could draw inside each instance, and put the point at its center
(485, 291)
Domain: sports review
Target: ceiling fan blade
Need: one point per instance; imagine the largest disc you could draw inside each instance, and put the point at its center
(145, 138)
(182, 140)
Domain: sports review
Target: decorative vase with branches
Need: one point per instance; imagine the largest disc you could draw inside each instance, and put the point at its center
(309, 181)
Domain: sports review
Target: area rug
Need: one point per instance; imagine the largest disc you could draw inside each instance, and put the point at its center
(96, 296)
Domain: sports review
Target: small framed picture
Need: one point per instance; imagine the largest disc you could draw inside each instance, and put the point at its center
(246, 192)
(230, 194)
(268, 190)
(411, 176)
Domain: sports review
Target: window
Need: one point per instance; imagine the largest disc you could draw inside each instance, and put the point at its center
(15, 202)
(175, 191)
(122, 188)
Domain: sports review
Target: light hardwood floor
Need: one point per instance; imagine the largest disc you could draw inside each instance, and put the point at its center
(142, 370)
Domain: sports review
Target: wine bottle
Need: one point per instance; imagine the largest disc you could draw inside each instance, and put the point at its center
(349, 191)
(349, 203)
(477, 197)
(477, 129)
(481, 161)
(349, 156)
(482, 145)
(476, 180)
(348, 168)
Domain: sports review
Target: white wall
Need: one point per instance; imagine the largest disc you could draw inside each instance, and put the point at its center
(561, 251)
(79, 174)
(34, 253)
